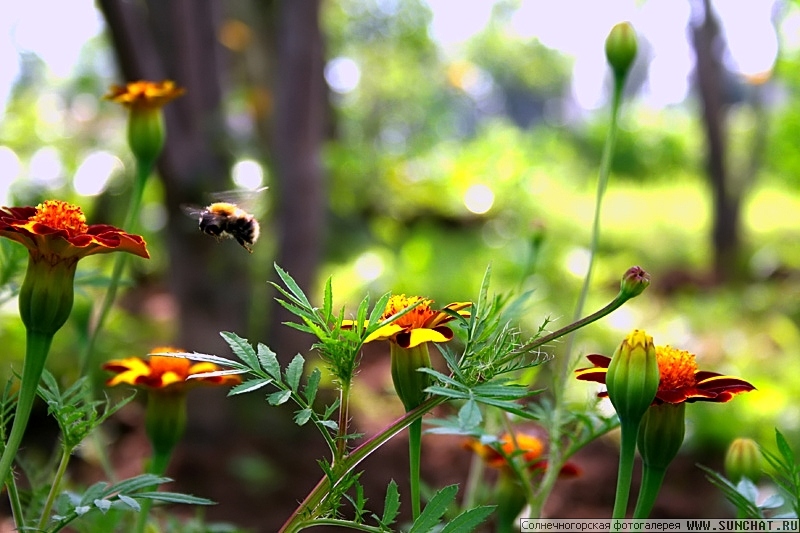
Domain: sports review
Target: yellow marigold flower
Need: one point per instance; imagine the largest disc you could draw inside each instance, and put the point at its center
(164, 372)
(421, 324)
(145, 94)
(681, 381)
(146, 131)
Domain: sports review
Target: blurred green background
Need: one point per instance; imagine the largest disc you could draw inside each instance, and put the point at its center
(408, 144)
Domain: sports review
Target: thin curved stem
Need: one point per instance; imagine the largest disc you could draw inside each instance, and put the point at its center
(414, 456)
(306, 510)
(38, 346)
(143, 171)
(626, 457)
(651, 485)
(158, 465)
(54, 487)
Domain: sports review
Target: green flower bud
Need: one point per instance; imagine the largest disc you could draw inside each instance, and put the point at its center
(621, 49)
(146, 134)
(634, 282)
(661, 434)
(409, 383)
(633, 376)
(743, 459)
(46, 295)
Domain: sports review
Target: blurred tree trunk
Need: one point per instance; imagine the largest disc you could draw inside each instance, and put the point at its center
(297, 134)
(177, 40)
(708, 46)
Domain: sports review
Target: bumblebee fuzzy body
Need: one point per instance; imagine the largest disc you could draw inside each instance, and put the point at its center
(225, 220)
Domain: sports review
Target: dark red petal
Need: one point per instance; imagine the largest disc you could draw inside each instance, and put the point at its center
(599, 360)
(403, 339)
(445, 331)
(589, 374)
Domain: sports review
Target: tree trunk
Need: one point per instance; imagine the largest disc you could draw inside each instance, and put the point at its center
(178, 40)
(297, 137)
(726, 200)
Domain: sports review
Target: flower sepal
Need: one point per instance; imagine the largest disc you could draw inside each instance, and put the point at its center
(409, 382)
(661, 434)
(47, 294)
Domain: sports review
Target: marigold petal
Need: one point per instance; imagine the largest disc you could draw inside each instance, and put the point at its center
(128, 364)
(441, 317)
(597, 375)
(168, 378)
(202, 367)
(416, 336)
(384, 332)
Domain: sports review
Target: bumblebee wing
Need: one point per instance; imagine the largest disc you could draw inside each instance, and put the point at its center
(246, 199)
(193, 211)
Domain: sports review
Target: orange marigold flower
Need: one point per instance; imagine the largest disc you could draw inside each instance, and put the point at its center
(165, 372)
(145, 94)
(421, 324)
(498, 453)
(681, 381)
(57, 231)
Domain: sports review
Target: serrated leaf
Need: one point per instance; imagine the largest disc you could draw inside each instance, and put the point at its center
(312, 384)
(173, 497)
(205, 358)
(294, 371)
(241, 348)
(217, 373)
(98, 490)
(249, 386)
(292, 285)
(470, 416)
(391, 504)
(447, 393)
(302, 416)
(784, 448)
(82, 509)
(269, 362)
(103, 505)
(137, 482)
(435, 509)
(469, 519)
(280, 397)
(327, 299)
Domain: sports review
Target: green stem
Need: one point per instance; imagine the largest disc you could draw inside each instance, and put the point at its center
(38, 346)
(54, 487)
(555, 458)
(344, 420)
(307, 509)
(627, 453)
(414, 453)
(158, 466)
(16, 506)
(143, 170)
(651, 484)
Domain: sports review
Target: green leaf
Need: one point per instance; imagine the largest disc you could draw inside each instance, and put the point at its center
(391, 504)
(249, 386)
(312, 384)
(280, 397)
(135, 483)
(130, 502)
(294, 372)
(469, 519)
(435, 509)
(293, 287)
(241, 348)
(327, 301)
(173, 497)
(218, 373)
(269, 362)
(302, 416)
(784, 448)
(470, 416)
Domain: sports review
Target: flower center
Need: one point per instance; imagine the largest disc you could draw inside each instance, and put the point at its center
(163, 364)
(61, 215)
(677, 368)
(417, 317)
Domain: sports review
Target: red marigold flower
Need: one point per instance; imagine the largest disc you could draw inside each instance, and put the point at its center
(681, 381)
(497, 454)
(57, 231)
(421, 324)
(165, 372)
(145, 94)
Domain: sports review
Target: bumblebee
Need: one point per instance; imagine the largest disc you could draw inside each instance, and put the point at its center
(226, 220)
